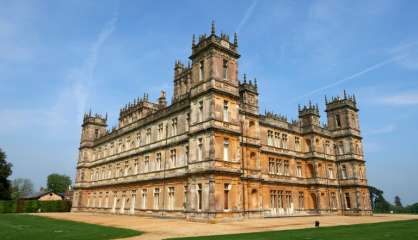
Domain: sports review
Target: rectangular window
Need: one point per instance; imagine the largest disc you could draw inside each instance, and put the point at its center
(186, 154)
(226, 150)
(107, 200)
(160, 131)
(330, 172)
(200, 149)
(270, 138)
(347, 201)
(125, 169)
(173, 157)
(171, 198)
(340, 148)
(337, 120)
(148, 137)
(284, 141)
(299, 171)
(138, 139)
(272, 166)
(174, 127)
(277, 140)
(226, 195)
(185, 198)
(286, 168)
(297, 144)
(136, 168)
(156, 198)
(144, 199)
(99, 200)
(199, 196)
(200, 112)
(201, 71)
(327, 147)
(225, 70)
(273, 199)
(115, 201)
(187, 121)
(146, 164)
(333, 200)
(288, 199)
(280, 199)
(343, 172)
(226, 113)
(301, 200)
(133, 200)
(279, 167)
(158, 161)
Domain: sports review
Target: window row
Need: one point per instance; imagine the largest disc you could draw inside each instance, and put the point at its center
(148, 164)
(138, 139)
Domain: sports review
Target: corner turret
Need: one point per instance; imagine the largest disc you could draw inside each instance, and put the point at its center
(342, 112)
(309, 115)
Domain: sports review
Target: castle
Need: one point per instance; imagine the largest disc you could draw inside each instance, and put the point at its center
(211, 155)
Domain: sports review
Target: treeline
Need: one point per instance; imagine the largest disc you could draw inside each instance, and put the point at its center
(381, 205)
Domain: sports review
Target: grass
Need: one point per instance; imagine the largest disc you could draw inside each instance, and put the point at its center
(22, 226)
(402, 230)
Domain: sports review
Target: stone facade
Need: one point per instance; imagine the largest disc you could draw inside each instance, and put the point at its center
(211, 155)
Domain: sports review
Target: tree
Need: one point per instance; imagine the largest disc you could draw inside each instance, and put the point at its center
(21, 187)
(398, 202)
(58, 183)
(379, 203)
(5, 172)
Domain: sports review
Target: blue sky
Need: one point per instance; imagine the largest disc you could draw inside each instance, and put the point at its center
(60, 58)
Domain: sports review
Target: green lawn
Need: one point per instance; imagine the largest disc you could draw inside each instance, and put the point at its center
(400, 230)
(22, 226)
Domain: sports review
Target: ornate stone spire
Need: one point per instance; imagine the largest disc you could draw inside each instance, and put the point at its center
(193, 41)
(212, 31)
(235, 40)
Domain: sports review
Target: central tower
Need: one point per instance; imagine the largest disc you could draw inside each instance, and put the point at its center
(215, 124)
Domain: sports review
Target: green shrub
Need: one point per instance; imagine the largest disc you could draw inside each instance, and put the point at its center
(8, 206)
(30, 206)
(55, 206)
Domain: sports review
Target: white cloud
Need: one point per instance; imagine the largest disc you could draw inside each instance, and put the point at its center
(82, 77)
(70, 101)
(404, 99)
(382, 130)
(372, 147)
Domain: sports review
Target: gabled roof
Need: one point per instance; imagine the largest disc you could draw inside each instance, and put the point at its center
(41, 194)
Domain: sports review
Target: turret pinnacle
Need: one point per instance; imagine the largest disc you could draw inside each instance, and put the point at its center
(212, 31)
(235, 40)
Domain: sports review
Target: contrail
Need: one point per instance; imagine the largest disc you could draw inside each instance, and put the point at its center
(81, 84)
(247, 16)
(355, 75)
(104, 34)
